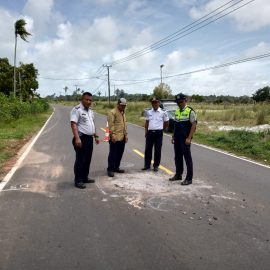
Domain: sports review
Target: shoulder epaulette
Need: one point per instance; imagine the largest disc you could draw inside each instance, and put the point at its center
(191, 108)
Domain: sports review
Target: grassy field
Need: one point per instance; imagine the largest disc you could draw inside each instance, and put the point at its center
(14, 134)
(230, 114)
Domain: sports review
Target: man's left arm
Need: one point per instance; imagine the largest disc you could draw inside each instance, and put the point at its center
(125, 128)
(95, 131)
(193, 121)
(165, 121)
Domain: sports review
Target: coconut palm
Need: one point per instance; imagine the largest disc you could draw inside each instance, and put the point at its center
(21, 31)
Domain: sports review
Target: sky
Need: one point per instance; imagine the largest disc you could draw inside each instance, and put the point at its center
(72, 40)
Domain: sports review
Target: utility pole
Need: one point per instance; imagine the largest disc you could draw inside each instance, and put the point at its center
(109, 90)
(161, 66)
(76, 86)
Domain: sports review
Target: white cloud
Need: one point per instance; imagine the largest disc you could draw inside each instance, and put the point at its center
(260, 48)
(253, 16)
(181, 3)
(249, 18)
(40, 11)
(136, 6)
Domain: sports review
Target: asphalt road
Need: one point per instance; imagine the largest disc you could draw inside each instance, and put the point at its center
(137, 220)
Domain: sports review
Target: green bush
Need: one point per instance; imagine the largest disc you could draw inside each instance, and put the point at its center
(11, 108)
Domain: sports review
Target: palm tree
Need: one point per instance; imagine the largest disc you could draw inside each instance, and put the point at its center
(21, 31)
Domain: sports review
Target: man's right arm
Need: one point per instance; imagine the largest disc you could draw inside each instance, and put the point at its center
(74, 128)
(146, 125)
(74, 118)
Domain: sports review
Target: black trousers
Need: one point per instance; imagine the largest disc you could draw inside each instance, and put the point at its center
(153, 138)
(181, 149)
(83, 158)
(115, 155)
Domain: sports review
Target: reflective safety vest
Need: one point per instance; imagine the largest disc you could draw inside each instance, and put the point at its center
(182, 123)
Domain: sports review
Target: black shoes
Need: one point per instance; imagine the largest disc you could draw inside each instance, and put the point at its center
(80, 185)
(89, 180)
(176, 177)
(148, 168)
(119, 171)
(186, 182)
(110, 174)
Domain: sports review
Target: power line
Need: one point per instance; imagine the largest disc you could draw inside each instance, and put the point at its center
(236, 62)
(98, 87)
(99, 70)
(171, 38)
(70, 79)
(180, 33)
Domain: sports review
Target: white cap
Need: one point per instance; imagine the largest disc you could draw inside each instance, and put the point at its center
(122, 101)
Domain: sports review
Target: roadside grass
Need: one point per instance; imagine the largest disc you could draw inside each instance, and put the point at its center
(254, 145)
(245, 143)
(15, 133)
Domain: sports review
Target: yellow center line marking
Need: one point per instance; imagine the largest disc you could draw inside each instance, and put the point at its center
(103, 129)
(160, 166)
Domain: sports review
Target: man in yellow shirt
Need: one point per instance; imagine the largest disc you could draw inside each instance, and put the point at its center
(118, 137)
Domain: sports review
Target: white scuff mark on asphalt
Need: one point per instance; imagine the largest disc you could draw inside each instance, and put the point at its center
(161, 203)
(17, 188)
(57, 171)
(100, 187)
(43, 187)
(223, 197)
(125, 164)
(37, 158)
(115, 196)
(135, 200)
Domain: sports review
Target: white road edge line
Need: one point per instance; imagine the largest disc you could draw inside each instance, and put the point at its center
(22, 157)
(214, 149)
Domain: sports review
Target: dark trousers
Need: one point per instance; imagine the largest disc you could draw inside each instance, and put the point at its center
(181, 149)
(115, 155)
(83, 158)
(153, 138)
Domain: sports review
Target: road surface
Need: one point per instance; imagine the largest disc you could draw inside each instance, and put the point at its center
(137, 220)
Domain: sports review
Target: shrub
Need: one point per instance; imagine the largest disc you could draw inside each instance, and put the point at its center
(11, 108)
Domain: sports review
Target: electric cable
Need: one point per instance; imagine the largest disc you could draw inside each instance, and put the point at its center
(175, 36)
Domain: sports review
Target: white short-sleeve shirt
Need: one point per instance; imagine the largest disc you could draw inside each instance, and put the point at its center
(156, 118)
(84, 118)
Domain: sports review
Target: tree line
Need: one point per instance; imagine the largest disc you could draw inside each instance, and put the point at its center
(163, 91)
(26, 80)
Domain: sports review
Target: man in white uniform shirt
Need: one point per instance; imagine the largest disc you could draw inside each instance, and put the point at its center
(83, 129)
(155, 121)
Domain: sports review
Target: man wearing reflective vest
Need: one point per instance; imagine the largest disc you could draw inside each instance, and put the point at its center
(184, 128)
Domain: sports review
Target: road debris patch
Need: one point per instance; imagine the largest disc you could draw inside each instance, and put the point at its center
(49, 189)
(153, 190)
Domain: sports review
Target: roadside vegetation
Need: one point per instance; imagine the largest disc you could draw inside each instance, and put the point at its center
(19, 121)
